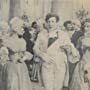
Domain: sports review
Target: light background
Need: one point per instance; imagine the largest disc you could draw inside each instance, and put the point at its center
(39, 8)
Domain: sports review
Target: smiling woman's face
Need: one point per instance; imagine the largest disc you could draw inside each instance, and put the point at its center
(20, 32)
(17, 25)
(52, 23)
(18, 29)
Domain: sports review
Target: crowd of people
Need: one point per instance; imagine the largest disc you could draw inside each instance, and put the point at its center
(45, 52)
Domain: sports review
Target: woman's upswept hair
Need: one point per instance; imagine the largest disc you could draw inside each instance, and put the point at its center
(49, 15)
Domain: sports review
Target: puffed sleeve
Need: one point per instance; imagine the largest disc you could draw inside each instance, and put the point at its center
(15, 44)
(65, 41)
(41, 43)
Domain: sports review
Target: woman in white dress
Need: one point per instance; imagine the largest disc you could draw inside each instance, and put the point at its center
(17, 72)
(81, 75)
(50, 46)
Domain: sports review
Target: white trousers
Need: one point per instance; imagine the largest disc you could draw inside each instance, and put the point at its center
(53, 78)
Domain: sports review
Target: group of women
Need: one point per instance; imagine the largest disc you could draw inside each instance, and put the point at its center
(53, 48)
